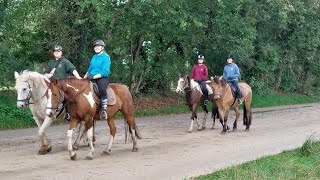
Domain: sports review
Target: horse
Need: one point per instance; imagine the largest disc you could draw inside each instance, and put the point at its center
(79, 96)
(31, 92)
(225, 100)
(194, 98)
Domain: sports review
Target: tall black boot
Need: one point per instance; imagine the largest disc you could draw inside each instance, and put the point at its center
(104, 103)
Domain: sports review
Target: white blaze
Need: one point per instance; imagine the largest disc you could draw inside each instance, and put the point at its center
(49, 105)
(73, 87)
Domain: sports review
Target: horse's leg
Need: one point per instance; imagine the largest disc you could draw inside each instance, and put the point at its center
(248, 115)
(81, 132)
(89, 128)
(213, 116)
(39, 125)
(112, 135)
(225, 120)
(236, 109)
(72, 126)
(46, 147)
(132, 126)
(204, 107)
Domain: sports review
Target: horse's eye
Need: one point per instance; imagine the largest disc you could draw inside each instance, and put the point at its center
(54, 95)
(24, 89)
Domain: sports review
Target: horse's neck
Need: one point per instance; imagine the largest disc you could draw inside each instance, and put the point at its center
(39, 90)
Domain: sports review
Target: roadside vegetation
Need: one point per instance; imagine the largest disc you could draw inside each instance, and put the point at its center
(11, 117)
(301, 163)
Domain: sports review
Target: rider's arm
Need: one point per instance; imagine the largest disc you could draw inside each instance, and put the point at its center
(76, 74)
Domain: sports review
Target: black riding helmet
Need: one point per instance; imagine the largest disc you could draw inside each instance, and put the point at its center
(230, 56)
(57, 47)
(98, 42)
(201, 56)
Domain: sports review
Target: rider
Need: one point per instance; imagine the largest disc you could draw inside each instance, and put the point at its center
(60, 68)
(231, 74)
(98, 72)
(200, 74)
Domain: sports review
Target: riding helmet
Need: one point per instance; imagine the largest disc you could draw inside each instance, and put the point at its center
(201, 56)
(230, 56)
(99, 42)
(57, 47)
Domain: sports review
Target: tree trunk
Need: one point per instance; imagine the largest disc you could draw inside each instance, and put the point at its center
(134, 58)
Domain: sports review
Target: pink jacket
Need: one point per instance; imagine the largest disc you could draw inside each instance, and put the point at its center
(199, 72)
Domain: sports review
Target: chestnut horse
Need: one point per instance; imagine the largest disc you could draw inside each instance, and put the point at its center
(194, 99)
(222, 94)
(78, 95)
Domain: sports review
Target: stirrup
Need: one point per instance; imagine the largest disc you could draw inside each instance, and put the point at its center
(103, 115)
(67, 117)
(205, 102)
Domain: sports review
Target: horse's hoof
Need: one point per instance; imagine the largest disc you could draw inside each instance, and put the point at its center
(134, 149)
(105, 152)
(189, 131)
(92, 144)
(247, 130)
(74, 157)
(88, 158)
(49, 149)
(203, 128)
(234, 129)
(75, 147)
(42, 151)
(199, 129)
(228, 128)
(223, 132)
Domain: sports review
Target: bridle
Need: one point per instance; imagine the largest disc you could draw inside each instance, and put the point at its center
(61, 98)
(26, 101)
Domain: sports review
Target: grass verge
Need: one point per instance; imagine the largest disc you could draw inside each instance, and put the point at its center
(301, 163)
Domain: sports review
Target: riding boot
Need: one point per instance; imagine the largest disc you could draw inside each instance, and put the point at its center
(239, 97)
(104, 103)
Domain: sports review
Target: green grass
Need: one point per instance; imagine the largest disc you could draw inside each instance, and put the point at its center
(301, 163)
(280, 99)
(11, 117)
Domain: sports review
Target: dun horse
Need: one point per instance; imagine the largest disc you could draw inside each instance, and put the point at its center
(31, 91)
(82, 107)
(225, 101)
(194, 99)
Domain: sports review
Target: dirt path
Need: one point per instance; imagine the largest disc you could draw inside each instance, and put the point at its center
(166, 151)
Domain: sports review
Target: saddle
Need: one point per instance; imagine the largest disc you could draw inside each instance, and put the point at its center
(111, 95)
(233, 90)
(210, 92)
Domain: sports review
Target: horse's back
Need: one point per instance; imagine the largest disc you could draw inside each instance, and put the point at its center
(121, 90)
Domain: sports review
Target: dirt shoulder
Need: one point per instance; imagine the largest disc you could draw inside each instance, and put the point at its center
(166, 151)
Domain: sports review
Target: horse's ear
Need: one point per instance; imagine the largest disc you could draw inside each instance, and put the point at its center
(16, 75)
(55, 81)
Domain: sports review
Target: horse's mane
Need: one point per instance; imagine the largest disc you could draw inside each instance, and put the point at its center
(74, 80)
(220, 80)
(35, 77)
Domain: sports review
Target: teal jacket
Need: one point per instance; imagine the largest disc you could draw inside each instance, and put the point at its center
(100, 63)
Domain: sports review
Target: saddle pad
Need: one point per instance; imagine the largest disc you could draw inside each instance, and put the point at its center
(111, 95)
(233, 90)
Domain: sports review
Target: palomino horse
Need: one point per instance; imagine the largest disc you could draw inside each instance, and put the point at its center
(194, 99)
(222, 94)
(31, 90)
(82, 107)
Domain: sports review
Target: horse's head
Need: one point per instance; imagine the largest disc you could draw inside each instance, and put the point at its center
(23, 89)
(55, 98)
(216, 85)
(182, 84)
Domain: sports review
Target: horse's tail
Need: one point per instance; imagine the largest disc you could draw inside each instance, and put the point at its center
(128, 137)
